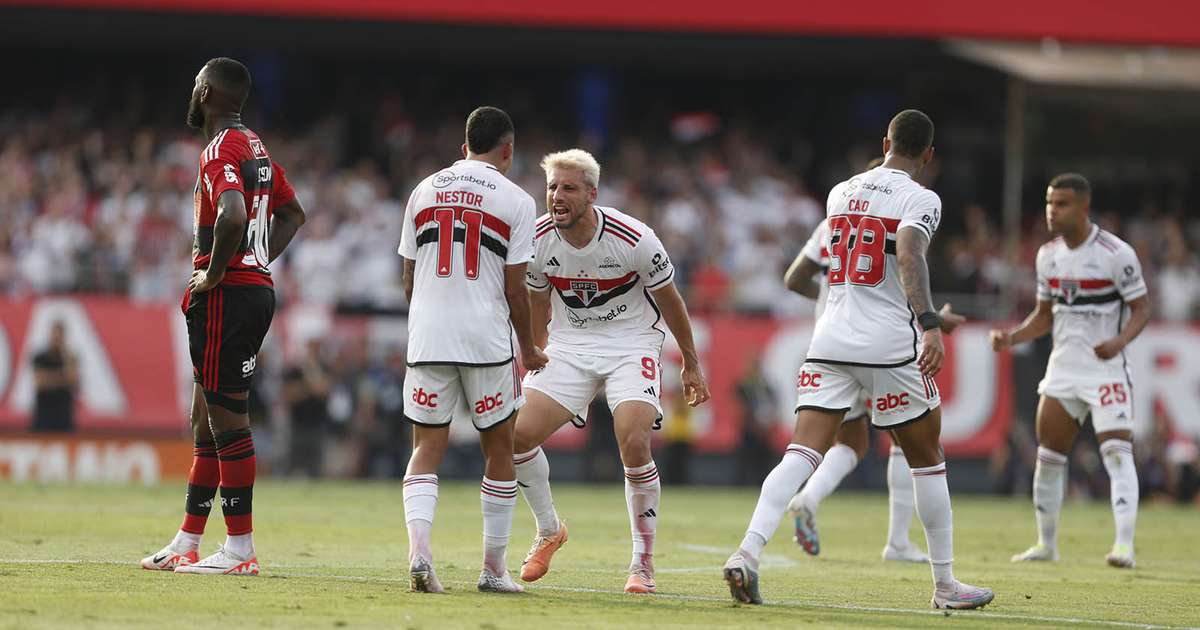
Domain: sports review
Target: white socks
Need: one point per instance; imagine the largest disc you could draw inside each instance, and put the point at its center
(642, 492)
(241, 545)
(838, 462)
(900, 499)
(497, 499)
(185, 542)
(933, 506)
(1118, 461)
(533, 473)
(797, 465)
(1048, 478)
(420, 502)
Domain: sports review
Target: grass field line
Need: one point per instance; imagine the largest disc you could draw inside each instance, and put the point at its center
(671, 596)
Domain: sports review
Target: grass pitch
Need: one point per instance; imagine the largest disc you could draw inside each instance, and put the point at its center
(333, 555)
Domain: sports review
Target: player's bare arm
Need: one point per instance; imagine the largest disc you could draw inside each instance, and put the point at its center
(674, 311)
(406, 277)
(950, 319)
(227, 234)
(532, 357)
(286, 220)
(539, 304)
(801, 277)
(911, 244)
(1139, 315)
(1036, 324)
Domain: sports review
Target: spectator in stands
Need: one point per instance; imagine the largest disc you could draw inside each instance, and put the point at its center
(55, 378)
(306, 387)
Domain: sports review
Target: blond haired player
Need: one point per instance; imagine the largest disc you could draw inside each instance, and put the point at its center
(870, 338)
(468, 237)
(601, 282)
(1091, 293)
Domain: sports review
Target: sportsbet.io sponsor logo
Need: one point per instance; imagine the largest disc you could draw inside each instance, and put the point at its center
(578, 321)
(446, 178)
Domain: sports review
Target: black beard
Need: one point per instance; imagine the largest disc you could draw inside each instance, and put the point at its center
(195, 116)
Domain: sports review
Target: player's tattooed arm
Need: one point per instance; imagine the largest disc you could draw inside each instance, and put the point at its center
(674, 313)
(911, 244)
(410, 269)
(227, 235)
(801, 277)
(285, 221)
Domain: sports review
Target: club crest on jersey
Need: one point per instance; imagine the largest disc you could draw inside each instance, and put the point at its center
(585, 289)
(1070, 288)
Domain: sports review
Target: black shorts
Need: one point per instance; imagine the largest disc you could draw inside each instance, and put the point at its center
(226, 327)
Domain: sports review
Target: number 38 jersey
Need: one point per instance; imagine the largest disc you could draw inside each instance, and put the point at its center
(601, 304)
(867, 319)
(462, 226)
(236, 159)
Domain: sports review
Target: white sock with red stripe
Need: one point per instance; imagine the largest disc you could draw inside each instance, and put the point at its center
(642, 493)
(795, 468)
(1118, 461)
(420, 502)
(497, 499)
(533, 473)
(900, 499)
(1048, 477)
(838, 463)
(933, 506)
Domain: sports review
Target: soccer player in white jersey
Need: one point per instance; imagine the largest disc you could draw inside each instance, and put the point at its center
(467, 239)
(1090, 292)
(852, 439)
(870, 338)
(602, 281)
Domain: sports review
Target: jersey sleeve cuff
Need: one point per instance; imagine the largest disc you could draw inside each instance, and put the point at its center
(926, 230)
(1135, 294)
(662, 283)
(535, 287)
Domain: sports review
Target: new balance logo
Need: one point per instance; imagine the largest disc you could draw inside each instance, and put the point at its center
(553, 262)
(648, 514)
(650, 390)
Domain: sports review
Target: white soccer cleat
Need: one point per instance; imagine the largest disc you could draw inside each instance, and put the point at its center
(1121, 557)
(491, 583)
(1037, 553)
(224, 562)
(963, 597)
(906, 554)
(168, 558)
(422, 579)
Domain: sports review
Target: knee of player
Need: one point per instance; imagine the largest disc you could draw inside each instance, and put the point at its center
(635, 448)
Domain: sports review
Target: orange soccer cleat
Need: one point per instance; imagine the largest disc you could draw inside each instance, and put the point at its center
(537, 563)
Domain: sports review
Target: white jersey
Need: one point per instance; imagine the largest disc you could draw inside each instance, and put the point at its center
(815, 250)
(601, 303)
(462, 226)
(1090, 286)
(867, 319)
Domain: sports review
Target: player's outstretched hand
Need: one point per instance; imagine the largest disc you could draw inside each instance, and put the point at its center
(202, 281)
(932, 353)
(534, 360)
(695, 387)
(1109, 349)
(1000, 339)
(950, 319)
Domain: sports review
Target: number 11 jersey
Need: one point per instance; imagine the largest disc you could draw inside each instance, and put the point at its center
(867, 320)
(462, 226)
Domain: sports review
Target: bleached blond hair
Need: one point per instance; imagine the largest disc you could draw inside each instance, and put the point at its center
(576, 160)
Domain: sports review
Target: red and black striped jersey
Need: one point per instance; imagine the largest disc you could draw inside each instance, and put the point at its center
(236, 159)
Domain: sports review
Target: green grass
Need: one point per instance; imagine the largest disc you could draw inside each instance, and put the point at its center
(334, 555)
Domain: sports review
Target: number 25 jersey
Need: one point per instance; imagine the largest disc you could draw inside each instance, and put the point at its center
(867, 319)
(462, 226)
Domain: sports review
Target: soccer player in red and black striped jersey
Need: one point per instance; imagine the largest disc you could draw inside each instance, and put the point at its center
(246, 214)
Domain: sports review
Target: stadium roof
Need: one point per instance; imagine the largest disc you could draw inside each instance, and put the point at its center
(1051, 62)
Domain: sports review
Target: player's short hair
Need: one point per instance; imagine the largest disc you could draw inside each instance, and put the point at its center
(1075, 182)
(574, 159)
(487, 128)
(230, 76)
(911, 132)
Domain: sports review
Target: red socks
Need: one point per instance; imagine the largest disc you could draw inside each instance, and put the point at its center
(235, 449)
(202, 487)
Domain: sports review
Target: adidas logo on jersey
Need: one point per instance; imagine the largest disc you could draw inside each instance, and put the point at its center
(553, 262)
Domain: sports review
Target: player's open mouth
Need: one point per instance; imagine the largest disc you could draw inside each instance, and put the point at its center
(560, 212)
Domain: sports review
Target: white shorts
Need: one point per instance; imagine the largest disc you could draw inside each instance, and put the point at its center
(895, 395)
(488, 395)
(573, 380)
(1108, 397)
